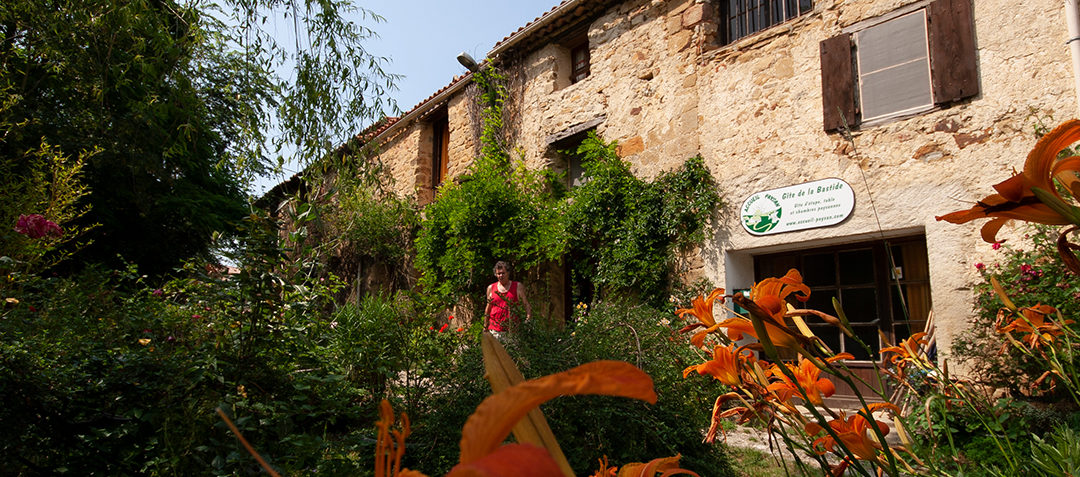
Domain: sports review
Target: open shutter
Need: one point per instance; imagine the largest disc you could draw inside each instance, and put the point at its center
(837, 83)
(953, 64)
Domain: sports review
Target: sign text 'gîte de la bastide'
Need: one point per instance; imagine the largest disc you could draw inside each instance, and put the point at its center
(805, 206)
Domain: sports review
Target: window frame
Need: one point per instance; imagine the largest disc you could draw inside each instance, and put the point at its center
(861, 74)
(579, 71)
(756, 16)
(954, 69)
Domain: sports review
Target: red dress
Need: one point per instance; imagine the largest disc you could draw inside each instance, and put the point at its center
(500, 306)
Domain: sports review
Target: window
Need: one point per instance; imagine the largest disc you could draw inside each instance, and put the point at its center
(907, 62)
(883, 287)
(572, 57)
(440, 145)
(741, 18)
(579, 61)
(894, 67)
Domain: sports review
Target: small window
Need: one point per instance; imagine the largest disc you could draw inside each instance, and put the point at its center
(740, 18)
(440, 146)
(894, 67)
(579, 58)
(903, 63)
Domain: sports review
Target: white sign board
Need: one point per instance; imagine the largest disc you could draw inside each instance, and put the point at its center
(805, 206)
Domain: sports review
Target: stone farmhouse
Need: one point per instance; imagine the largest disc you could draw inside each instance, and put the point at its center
(834, 128)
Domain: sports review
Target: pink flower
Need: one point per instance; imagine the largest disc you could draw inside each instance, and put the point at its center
(36, 226)
(196, 317)
(979, 266)
(996, 245)
(158, 292)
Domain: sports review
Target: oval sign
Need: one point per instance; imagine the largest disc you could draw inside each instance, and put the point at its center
(805, 206)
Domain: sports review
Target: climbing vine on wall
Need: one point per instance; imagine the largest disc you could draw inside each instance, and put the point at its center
(627, 231)
(618, 232)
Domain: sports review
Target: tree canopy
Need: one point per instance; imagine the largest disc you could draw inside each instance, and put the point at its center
(180, 103)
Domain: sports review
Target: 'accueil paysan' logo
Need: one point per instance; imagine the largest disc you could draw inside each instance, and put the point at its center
(761, 213)
(820, 203)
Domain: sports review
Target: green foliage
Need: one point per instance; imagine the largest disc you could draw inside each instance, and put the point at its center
(589, 427)
(492, 213)
(626, 231)
(623, 233)
(1030, 276)
(1057, 454)
(42, 181)
(364, 223)
(176, 102)
(972, 436)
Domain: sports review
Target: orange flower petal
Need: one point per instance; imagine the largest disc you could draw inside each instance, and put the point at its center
(511, 460)
(493, 419)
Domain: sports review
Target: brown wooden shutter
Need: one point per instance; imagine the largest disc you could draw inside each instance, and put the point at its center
(837, 83)
(953, 65)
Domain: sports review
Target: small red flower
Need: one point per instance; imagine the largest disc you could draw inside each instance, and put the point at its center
(979, 266)
(996, 245)
(37, 226)
(444, 327)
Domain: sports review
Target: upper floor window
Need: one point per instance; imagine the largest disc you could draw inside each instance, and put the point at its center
(579, 61)
(739, 18)
(902, 63)
(894, 67)
(440, 148)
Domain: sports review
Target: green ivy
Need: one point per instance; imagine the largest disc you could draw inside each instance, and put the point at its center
(622, 233)
(627, 231)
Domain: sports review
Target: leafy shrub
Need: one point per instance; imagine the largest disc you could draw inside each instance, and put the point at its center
(1029, 276)
(628, 231)
(589, 427)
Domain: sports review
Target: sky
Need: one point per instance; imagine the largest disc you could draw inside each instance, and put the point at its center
(422, 38)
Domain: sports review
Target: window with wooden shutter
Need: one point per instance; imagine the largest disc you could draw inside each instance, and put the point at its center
(900, 64)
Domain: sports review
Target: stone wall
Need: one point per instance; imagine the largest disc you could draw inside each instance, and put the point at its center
(661, 86)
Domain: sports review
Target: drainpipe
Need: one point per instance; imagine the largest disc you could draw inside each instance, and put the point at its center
(1072, 19)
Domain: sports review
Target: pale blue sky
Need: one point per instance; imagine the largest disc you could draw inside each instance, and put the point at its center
(422, 39)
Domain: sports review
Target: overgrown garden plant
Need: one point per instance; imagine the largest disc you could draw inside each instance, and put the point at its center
(627, 232)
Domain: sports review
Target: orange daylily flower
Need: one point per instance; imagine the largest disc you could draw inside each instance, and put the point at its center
(726, 365)
(906, 352)
(493, 419)
(758, 408)
(664, 465)
(484, 431)
(1033, 322)
(852, 432)
(1016, 199)
(702, 309)
(808, 377)
(768, 302)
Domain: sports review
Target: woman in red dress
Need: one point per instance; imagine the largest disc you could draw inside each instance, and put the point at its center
(501, 296)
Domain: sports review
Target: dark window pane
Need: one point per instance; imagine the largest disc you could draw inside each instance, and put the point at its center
(903, 330)
(819, 270)
(856, 267)
(805, 5)
(869, 336)
(830, 335)
(860, 304)
(820, 300)
(897, 306)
